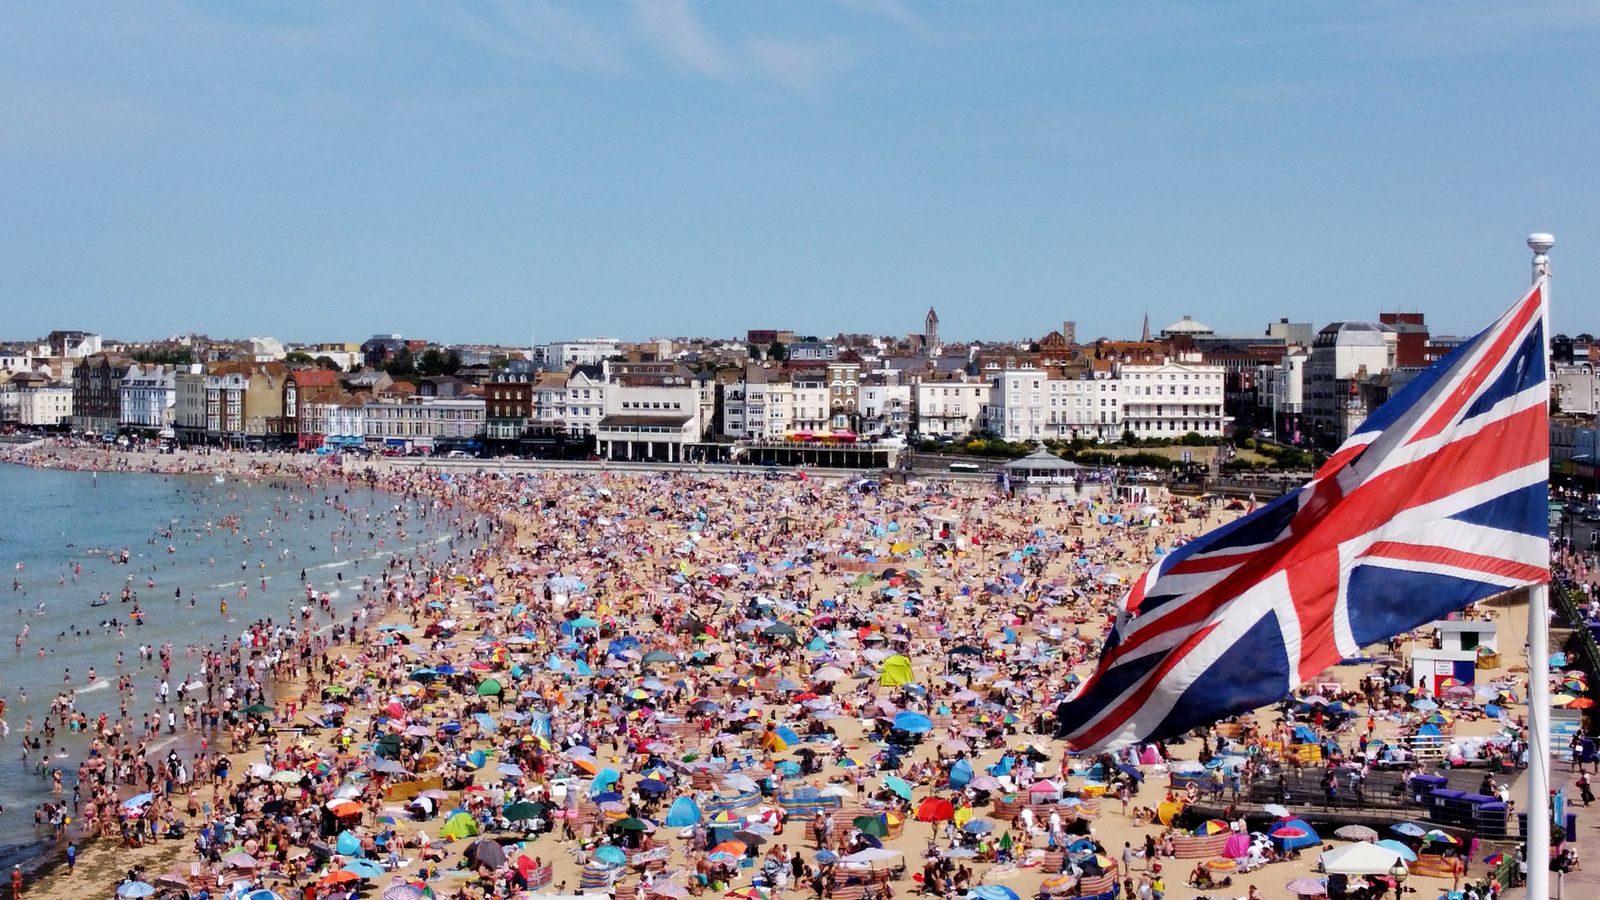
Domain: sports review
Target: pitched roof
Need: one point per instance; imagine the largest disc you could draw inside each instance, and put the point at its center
(309, 378)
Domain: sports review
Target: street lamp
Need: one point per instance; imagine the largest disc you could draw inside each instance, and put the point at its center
(1399, 872)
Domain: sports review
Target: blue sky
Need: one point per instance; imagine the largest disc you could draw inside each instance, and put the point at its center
(488, 170)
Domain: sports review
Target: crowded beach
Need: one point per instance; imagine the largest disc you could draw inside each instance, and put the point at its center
(663, 684)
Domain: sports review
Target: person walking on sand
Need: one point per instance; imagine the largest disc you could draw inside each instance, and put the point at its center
(16, 882)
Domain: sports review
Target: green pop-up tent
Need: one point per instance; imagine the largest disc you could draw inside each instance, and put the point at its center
(895, 672)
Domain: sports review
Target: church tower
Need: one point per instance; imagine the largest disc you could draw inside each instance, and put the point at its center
(930, 333)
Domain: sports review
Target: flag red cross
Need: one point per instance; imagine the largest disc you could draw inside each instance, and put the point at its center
(1309, 553)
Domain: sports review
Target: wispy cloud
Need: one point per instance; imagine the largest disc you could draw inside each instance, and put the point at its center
(894, 10)
(796, 65)
(563, 36)
(675, 31)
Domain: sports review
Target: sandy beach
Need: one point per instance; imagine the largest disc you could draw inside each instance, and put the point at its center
(778, 651)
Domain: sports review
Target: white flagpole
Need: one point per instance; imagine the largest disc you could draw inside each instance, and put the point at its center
(1537, 838)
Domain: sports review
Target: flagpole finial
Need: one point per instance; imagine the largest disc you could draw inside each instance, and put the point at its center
(1540, 243)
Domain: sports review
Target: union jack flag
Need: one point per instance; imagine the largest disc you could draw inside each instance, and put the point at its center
(1438, 499)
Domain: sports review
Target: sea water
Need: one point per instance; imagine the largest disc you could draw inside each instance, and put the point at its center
(200, 541)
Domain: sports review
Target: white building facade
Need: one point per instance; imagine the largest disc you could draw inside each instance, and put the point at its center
(650, 418)
(885, 408)
(189, 406)
(951, 406)
(1577, 388)
(419, 422)
(1343, 353)
(46, 405)
(1028, 405)
(150, 396)
(586, 352)
(1172, 399)
(586, 401)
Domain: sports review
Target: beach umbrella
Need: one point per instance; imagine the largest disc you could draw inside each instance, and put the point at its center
(1359, 859)
(985, 783)
(341, 807)
(1409, 829)
(935, 809)
(1213, 826)
(520, 812)
(871, 855)
(1398, 849)
(978, 826)
(913, 723)
(263, 894)
(1274, 809)
(402, 892)
(135, 889)
(630, 824)
(993, 892)
(364, 869)
(1439, 837)
(734, 849)
(382, 766)
(239, 860)
(490, 687)
(339, 876)
(611, 855)
(876, 826)
(488, 853)
(1307, 887)
(1294, 834)
(1356, 833)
